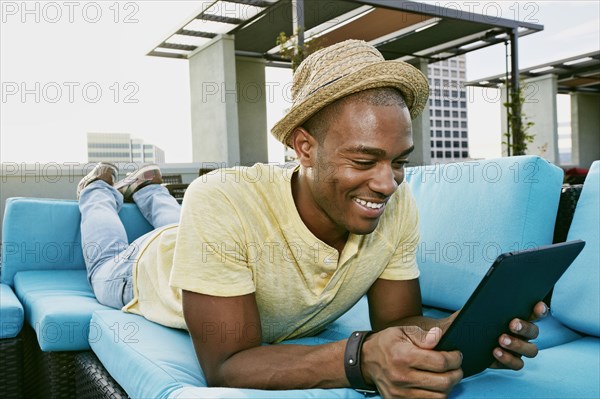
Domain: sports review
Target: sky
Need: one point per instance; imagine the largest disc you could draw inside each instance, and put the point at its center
(72, 67)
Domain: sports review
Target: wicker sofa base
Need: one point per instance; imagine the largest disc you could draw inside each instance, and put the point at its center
(93, 381)
(11, 367)
(47, 375)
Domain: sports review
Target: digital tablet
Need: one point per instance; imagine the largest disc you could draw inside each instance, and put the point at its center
(510, 289)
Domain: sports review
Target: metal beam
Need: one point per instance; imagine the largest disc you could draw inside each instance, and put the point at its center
(196, 33)
(449, 13)
(256, 3)
(514, 100)
(166, 55)
(174, 46)
(219, 18)
(298, 19)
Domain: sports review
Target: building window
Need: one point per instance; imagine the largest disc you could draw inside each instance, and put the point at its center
(438, 133)
(446, 103)
(447, 144)
(463, 114)
(438, 103)
(438, 123)
(439, 154)
(455, 144)
(446, 113)
(448, 154)
(456, 154)
(463, 134)
(438, 112)
(454, 123)
(463, 124)
(447, 133)
(455, 134)
(454, 104)
(463, 104)
(455, 114)
(464, 144)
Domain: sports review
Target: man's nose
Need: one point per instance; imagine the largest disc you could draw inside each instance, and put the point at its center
(386, 180)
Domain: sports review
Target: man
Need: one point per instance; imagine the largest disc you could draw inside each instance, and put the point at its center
(264, 254)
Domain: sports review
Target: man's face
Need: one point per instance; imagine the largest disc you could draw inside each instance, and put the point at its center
(360, 165)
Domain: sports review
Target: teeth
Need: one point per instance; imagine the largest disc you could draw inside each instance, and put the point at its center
(368, 204)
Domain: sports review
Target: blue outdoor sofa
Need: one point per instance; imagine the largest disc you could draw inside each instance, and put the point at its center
(469, 213)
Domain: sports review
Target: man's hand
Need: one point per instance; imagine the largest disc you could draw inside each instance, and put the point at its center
(401, 363)
(514, 346)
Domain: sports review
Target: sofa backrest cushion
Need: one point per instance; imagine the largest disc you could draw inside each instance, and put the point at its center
(42, 234)
(471, 212)
(576, 297)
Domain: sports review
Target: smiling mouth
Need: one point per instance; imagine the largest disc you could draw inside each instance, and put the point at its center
(368, 204)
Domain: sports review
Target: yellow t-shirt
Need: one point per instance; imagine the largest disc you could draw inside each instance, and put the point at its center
(240, 233)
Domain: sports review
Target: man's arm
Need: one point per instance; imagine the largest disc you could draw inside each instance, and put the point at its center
(226, 337)
(226, 333)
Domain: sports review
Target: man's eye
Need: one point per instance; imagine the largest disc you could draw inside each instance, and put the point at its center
(363, 162)
(401, 164)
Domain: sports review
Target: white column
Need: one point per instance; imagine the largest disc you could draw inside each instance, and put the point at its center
(540, 108)
(585, 128)
(420, 127)
(252, 110)
(215, 129)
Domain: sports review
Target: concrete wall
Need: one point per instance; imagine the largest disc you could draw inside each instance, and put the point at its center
(539, 108)
(585, 128)
(59, 181)
(215, 129)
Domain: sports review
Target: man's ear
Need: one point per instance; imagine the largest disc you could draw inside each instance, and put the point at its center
(304, 146)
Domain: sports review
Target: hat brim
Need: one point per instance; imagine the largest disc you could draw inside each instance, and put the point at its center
(411, 83)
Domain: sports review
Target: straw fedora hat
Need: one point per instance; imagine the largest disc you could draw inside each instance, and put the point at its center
(342, 69)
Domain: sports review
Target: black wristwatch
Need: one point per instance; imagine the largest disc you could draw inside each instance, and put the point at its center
(352, 362)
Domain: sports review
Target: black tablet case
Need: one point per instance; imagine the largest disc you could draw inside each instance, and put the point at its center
(510, 289)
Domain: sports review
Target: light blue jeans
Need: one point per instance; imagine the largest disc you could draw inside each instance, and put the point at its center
(108, 255)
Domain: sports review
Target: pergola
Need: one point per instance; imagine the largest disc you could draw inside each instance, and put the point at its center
(410, 31)
(580, 73)
(578, 76)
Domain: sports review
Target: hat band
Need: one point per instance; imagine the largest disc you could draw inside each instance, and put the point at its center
(326, 84)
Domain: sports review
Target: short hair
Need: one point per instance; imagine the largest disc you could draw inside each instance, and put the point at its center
(318, 124)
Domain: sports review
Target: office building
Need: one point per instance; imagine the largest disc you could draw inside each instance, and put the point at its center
(121, 147)
(448, 110)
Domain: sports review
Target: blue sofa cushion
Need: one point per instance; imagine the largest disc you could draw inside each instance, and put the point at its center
(152, 361)
(576, 297)
(44, 234)
(11, 313)
(570, 370)
(471, 212)
(58, 305)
